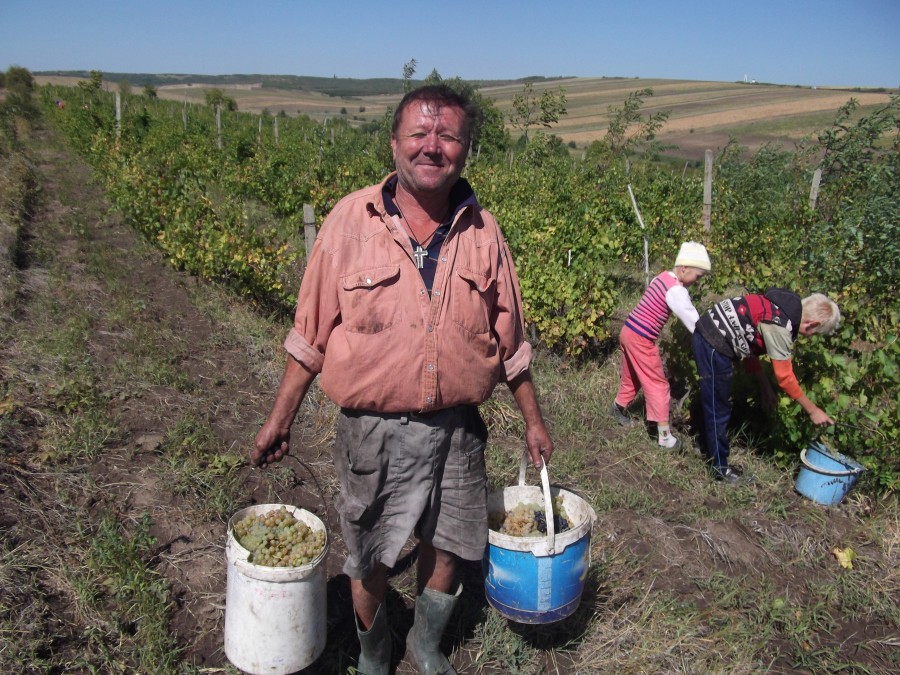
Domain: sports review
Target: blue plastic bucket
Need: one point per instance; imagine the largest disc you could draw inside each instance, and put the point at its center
(538, 580)
(826, 476)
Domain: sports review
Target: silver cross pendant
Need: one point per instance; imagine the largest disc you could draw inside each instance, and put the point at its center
(420, 254)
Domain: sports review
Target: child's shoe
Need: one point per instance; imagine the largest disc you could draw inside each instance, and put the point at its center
(618, 414)
(669, 442)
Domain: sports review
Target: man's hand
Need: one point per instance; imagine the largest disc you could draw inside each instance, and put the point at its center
(540, 445)
(816, 414)
(537, 439)
(271, 445)
(274, 438)
(819, 417)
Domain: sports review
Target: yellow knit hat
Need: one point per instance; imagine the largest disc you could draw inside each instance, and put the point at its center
(693, 254)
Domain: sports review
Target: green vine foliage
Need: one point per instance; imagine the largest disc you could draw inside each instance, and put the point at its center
(570, 223)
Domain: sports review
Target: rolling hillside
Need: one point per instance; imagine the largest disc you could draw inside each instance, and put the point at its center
(702, 114)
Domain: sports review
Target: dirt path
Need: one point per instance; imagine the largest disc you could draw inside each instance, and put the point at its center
(163, 351)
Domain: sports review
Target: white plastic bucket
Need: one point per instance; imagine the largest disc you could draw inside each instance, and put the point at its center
(275, 617)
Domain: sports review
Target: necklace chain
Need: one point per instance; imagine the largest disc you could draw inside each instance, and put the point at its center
(427, 240)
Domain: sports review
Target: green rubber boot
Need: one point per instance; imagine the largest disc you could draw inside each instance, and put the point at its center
(375, 645)
(433, 610)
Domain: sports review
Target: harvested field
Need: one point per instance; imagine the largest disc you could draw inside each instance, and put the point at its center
(703, 114)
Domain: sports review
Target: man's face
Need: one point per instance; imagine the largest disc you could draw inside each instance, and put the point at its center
(429, 148)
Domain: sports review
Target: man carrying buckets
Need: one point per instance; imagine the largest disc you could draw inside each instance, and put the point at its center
(410, 309)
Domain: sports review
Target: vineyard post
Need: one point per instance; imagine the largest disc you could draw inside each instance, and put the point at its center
(219, 126)
(184, 114)
(309, 229)
(641, 221)
(707, 191)
(259, 132)
(118, 114)
(276, 130)
(644, 231)
(814, 189)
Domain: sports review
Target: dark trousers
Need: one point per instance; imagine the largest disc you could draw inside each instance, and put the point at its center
(716, 372)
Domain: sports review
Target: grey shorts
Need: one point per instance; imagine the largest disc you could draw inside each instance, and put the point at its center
(404, 474)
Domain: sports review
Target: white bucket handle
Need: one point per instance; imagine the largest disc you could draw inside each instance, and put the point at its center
(548, 500)
(827, 472)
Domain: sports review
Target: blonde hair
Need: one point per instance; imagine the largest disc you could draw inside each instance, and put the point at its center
(821, 308)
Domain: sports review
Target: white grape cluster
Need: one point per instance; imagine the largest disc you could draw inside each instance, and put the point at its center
(528, 520)
(277, 539)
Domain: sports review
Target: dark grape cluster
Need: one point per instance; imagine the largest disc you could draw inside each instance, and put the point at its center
(560, 524)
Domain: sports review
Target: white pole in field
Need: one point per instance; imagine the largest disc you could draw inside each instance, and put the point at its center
(219, 126)
(707, 191)
(118, 114)
(814, 189)
(309, 229)
(276, 130)
(646, 242)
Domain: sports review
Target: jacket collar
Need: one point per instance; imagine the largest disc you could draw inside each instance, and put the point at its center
(461, 196)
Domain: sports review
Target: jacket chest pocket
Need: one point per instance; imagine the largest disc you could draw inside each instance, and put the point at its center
(370, 299)
(472, 297)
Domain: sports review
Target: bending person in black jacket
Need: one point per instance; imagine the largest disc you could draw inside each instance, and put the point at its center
(747, 327)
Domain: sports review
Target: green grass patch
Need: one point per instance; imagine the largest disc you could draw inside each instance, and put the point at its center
(133, 598)
(199, 468)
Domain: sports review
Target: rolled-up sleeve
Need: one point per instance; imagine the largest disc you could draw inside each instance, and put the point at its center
(508, 318)
(318, 309)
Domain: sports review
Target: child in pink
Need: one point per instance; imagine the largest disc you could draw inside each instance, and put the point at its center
(642, 366)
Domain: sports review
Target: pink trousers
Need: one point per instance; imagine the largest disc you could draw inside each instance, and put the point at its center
(642, 368)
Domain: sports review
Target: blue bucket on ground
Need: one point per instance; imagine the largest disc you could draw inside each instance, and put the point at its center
(826, 476)
(538, 580)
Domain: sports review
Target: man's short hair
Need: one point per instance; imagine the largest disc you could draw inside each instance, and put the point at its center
(821, 308)
(441, 95)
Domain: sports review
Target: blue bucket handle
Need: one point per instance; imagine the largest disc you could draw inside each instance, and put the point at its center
(826, 472)
(548, 500)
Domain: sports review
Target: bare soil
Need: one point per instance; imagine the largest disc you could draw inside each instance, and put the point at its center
(130, 477)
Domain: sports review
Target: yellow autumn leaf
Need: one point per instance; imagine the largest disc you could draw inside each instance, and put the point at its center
(845, 557)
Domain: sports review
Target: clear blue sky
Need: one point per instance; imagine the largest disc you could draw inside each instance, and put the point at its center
(847, 43)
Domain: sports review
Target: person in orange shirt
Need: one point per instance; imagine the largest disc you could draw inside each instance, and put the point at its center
(410, 310)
